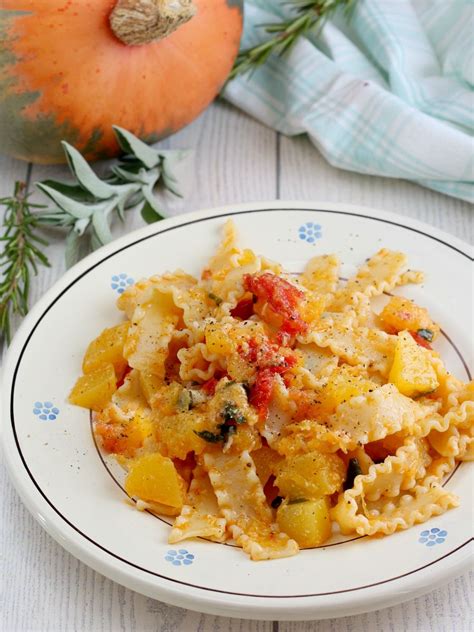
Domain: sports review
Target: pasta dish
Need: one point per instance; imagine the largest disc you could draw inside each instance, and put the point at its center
(274, 409)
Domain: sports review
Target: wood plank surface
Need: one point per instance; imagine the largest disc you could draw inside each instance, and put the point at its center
(233, 159)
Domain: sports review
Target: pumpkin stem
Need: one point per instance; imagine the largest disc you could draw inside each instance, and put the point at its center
(137, 22)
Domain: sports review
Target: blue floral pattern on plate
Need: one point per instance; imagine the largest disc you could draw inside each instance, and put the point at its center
(431, 537)
(46, 411)
(180, 557)
(310, 232)
(120, 282)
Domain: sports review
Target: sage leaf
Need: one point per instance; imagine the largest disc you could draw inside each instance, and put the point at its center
(85, 207)
(149, 214)
(72, 250)
(101, 227)
(84, 174)
(80, 226)
(169, 180)
(152, 201)
(74, 208)
(74, 191)
(133, 145)
(127, 175)
(95, 241)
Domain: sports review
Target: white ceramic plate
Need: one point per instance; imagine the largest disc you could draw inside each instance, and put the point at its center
(61, 477)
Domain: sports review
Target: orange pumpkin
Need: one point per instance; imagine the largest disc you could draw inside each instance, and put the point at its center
(69, 69)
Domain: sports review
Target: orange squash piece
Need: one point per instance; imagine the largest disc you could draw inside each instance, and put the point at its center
(154, 478)
(107, 348)
(95, 389)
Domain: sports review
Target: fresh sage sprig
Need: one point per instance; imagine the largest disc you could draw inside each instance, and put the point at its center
(21, 254)
(307, 16)
(86, 208)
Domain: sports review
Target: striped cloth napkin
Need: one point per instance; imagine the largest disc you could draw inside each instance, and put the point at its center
(386, 90)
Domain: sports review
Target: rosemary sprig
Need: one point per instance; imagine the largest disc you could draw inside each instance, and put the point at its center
(284, 35)
(20, 256)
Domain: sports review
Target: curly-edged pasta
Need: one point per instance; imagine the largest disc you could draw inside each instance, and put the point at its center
(272, 409)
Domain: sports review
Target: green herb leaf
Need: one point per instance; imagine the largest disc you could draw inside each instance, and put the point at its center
(231, 412)
(19, 257)
(133, 145)
(297, 501)
(152, 202)
(426, 334)
(84, 174)
(308, 16)
(353, 470)
(210, 437)
(72, 248)
(74, 191)
(149, 214)
(217, 299)
(74, 208)
(87, 206)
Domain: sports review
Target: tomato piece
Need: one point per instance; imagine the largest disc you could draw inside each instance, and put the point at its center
(261, 392)
(268, 355)
(122, 379)
(284, 300)
(420, 340)
(243, 309)
(209, 387)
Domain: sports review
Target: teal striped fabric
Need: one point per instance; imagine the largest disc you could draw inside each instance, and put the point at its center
(387, 90)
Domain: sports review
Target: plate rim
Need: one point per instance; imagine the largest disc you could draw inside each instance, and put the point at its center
(33, 498)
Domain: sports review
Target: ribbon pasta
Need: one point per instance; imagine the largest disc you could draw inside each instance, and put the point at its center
(265, 409)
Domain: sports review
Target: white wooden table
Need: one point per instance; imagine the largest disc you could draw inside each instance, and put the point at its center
(235, 159)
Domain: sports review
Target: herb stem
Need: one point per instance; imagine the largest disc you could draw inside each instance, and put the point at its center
(309, 15)
(20, 256)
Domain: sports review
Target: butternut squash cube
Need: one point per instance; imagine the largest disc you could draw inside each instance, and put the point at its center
(266, 459)
(344, 383)
(94, 390)
(177, 433)
(310, 475)
(402, 314)
(107, 348)
(125, 439)
(150, 385)
(154, 478)
(306, 521)
(412, 372)
(217, 340)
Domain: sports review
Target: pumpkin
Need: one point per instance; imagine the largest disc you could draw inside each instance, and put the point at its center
(70, 69)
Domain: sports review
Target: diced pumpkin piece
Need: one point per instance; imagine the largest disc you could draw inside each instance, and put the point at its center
(150, 385)
(344, 383)
(266, 459)
(95, 389)
(177, 433)
(402, 314)
(107, 349)
(306, 521)
(217, 340)
(166, 396)
(412, 372)
(310, 475)
(154, 478)
(125, 439)
(245, 438)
